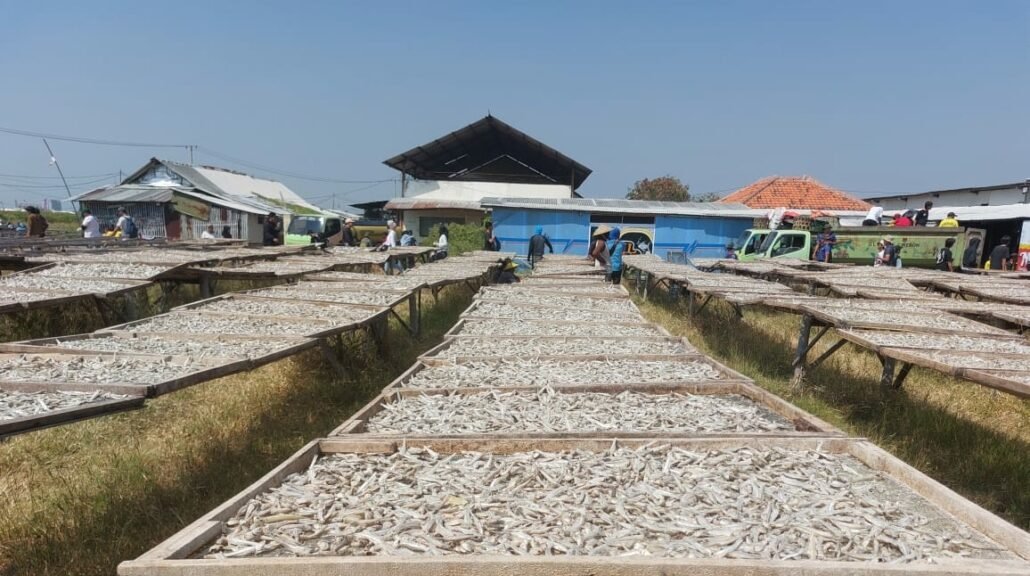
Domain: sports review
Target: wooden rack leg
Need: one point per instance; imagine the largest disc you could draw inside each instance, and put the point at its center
(327, 353)
(414, 314)
(902, 374)
(802, 350)
(887, 377)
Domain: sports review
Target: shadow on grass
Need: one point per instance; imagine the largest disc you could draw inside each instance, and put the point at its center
(990, 467)
(124, 502)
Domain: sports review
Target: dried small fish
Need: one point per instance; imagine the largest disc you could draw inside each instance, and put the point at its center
(541, 372)
(956, 342)
(548, 411)
(76, 285)
(570, 314)
(90, 369)
(100, 270)
(765, 504)
(14, 404)
(286, 307)
(155, 344)
(512, 347)
(499, 327)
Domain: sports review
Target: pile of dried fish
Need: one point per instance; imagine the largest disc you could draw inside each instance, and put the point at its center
(570, 314)
(505, 327)
(518, 299)
(89, 369)
(160, 345)
(770, 504)
(927, 321)
(14, 404)
(78, 285)
(943, 341)
(595, 288)
(190, 323)
(522, 346)
(283, 307)
(548, 411)
(976, 361)
(542, 372)
(12, 297)
(103, 270)
(275, 267)
(344, 296)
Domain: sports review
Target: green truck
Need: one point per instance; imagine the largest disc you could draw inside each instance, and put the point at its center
(857, 244)
(301, 228)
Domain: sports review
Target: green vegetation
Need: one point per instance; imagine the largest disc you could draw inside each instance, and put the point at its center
(461, 238)
(80, 498)
(60, 222)
(972, 439)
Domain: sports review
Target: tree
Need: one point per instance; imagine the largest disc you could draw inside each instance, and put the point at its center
(667, 188)
(707, 197)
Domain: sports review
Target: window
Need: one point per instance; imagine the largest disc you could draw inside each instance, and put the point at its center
(788, 243)
(332, 227)
(304, 225)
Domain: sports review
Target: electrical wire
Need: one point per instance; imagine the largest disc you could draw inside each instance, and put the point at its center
(69, 178)
(289, 174)
(97, 141)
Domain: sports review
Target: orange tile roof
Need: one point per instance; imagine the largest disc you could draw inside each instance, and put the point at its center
(802, 192)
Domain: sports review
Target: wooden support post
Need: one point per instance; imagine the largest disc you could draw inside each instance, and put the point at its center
(379, 331)
(691, 301)
(708, 298)
(902, 374)
(403, 323)
(327, 353)
(887, 377)
(414, 314)
(829, 352)
(802, 350)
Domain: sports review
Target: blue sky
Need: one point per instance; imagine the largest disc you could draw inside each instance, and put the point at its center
(871, 96)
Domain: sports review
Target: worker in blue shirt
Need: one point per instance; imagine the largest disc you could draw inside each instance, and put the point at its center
(615, 248)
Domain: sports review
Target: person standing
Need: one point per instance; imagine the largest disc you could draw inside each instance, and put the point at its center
(126, 225)
(969, 258)
(878, 259)
(616, 249)
(1000, 254)
(208, 233)
(949, 222)
(441, 245)
(945, 259)
(537, 243)
(923, 216)
(599, 253)
(37, 223)
(348, 233)
(890, 252)
(90, 225)
(825, 242)
(270, 233)
(391, 236)
(490, 242)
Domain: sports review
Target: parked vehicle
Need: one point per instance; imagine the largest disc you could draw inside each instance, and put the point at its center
(855, 245)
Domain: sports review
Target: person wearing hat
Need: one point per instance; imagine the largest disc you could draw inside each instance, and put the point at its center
(615, 249)
(599, 253)
(949, 222)
(348, 233)
(537, 243)
(507, 274)
(825, 242)
(890, 252)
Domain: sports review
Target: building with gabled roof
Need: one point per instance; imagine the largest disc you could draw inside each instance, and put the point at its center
(794, 192)
(443, 181)
(178, 201)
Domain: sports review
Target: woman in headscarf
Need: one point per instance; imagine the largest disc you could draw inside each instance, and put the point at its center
(969, 257)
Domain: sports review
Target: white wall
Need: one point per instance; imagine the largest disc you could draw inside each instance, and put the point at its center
(1005, 196)
(453, 190)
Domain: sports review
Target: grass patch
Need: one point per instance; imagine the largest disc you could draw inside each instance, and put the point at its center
(80, 498)
(60, 222)
(973, 439)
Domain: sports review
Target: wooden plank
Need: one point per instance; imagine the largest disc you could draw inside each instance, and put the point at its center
(1015, 383)
(52, 418)
(165, 559)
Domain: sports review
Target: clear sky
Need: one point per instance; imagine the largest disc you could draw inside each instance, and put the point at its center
(868, 96)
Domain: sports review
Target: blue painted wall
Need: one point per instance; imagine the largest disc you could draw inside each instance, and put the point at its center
(701, 237)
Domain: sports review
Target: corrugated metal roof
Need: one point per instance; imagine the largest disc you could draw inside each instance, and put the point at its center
(417, 203)
(129, 193)
(981, 213)
(616, 205)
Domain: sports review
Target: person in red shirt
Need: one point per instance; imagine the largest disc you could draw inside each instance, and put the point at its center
(902, 220)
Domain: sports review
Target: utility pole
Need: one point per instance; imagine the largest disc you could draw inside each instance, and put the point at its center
(53, 160)
(190, 148)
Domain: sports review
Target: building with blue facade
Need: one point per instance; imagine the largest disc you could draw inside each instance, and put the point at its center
(700, 229)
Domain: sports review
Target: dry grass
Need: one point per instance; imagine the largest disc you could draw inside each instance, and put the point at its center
(80, 498)
(971, 438)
